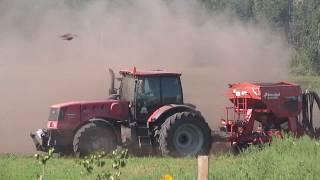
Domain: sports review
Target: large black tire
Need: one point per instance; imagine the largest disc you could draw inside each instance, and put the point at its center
(185, 134)
(93, 137)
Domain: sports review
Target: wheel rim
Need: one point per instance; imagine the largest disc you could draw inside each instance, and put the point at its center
(188, 139)
(99, 142)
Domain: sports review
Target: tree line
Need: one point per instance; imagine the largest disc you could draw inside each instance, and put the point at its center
(298, 19)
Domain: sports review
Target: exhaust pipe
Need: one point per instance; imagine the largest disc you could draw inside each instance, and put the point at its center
(112, 90)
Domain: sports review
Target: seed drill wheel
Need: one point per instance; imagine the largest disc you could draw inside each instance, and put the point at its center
(185, 134)
(92, 138)
(237, 148)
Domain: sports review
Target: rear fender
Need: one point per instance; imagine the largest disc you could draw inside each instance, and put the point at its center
(167, 110)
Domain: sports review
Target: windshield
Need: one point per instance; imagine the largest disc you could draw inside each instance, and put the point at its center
(54, 114)
(148, 88)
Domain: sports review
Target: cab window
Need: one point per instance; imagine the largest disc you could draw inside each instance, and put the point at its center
(148, 89)
(127, 88)
(171, 90)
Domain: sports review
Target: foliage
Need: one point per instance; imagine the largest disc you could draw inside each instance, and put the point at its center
(285, 159)
(95, 161)
(10, 156)
(43, 159)
(307, 82)
(289, 158)
(298, 19)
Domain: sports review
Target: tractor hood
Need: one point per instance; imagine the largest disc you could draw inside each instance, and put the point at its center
(74, 103)
(110, 109)
(97, 102)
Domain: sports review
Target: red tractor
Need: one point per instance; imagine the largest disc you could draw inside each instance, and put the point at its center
(145, 114)
(263, 110)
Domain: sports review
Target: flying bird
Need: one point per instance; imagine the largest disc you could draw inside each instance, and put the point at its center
(68, 36)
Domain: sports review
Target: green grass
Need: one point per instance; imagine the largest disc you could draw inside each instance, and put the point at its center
(308, 82)
(285, 159)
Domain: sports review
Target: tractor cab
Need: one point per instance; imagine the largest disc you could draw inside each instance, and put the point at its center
(147, 91)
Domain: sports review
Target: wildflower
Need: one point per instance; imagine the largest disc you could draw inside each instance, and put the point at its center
(167, 177)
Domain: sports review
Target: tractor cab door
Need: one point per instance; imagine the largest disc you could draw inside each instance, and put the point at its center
(148, 97)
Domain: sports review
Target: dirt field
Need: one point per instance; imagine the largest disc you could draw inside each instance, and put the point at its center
(38, 69)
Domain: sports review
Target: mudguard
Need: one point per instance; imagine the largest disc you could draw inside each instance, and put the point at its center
(167, 110)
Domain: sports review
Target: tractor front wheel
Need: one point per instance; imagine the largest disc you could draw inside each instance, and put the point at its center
(185, 134)
(92, 138)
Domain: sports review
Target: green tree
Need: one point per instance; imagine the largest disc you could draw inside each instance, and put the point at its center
(305, 37)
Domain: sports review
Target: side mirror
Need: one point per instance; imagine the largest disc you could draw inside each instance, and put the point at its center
(113, 96)
(112, 91)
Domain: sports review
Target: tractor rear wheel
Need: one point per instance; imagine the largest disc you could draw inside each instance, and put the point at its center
(185, 134)
(92, 138)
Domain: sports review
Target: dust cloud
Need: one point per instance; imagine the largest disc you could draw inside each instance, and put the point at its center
(38, 69)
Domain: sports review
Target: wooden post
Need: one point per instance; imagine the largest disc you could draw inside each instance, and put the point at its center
(203, 167)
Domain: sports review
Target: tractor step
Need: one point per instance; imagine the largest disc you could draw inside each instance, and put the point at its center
(142, 131)
(144, 141)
